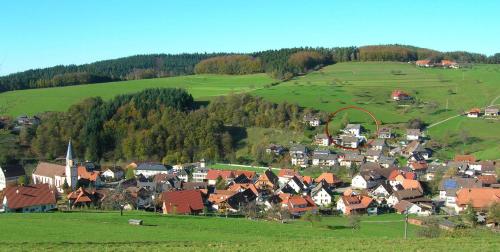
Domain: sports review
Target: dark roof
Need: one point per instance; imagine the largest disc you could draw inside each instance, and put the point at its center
(151, 167)
(241, 198)
(319, 186)
(271, 176)
(12, 170)
(194, 185)
(242, 179)
(32, 195)
(407, 194)
(455, 183)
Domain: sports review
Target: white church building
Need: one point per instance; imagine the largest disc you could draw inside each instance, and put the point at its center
(56, 175)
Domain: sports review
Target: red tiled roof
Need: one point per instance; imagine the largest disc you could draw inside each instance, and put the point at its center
(80, 196)
(224, 174)
(299, 204)
(184, 202)
(307, 179)
(242, 187)
(412, 184)
(354, 202)
(487, 179)
(84, 174)
(418, 166)
(288, 173)
(248, 174)
(220, 196)
(422, 62)
(32, 195)
(398, 93)
(328, 177)
(448, 62)
(465, 158)
(478, 197)
(49, 170)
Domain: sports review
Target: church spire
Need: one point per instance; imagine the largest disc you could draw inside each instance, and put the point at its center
(69, 153)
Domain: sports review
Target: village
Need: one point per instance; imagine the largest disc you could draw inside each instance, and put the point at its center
(388, 173)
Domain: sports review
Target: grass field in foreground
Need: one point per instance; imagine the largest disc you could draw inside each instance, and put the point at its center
(369, 85)
(33, 101)
(110, 231)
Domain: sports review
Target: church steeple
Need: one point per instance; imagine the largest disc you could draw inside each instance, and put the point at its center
(69, 153)
(71, 169)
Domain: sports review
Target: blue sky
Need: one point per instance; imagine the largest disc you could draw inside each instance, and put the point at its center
(45, 33)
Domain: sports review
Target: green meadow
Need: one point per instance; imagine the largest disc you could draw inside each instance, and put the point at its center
(108, 231)
(441, 93)
(33, 101)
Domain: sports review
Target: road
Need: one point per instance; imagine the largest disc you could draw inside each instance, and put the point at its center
(492, 103)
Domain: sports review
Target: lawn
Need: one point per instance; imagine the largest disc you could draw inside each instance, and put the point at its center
(34, 101)
(110, 231)
(369, 85)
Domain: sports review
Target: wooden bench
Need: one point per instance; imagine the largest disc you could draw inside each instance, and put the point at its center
(135, 222)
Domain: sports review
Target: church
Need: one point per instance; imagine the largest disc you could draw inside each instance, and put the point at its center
(57, 175)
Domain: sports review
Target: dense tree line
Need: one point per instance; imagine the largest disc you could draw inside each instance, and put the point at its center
(134, 67)
(280, 64)
(230, 64)
(157, 124)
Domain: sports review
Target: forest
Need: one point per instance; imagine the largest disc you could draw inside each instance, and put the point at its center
(280, 64)
(156, 124)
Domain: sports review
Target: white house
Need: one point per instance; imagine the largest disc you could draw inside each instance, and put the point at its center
(112, 173)
(200, 174)
(322, 140)
(350, 141)
(313, 121)
(365, 180)
(324, 158)
(299, 156)
(321, 195)
(353, 129)
(9, 174)
(150, 169)
(182, 175)
(413, 134)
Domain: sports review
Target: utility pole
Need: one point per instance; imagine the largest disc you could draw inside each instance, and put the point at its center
(406, 223)
(446, 104)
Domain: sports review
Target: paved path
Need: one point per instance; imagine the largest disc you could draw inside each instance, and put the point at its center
(451, 117)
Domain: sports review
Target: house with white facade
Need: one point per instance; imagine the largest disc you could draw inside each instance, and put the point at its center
(413, 134)
(9, 174)
(150, 169)
(322, 195)
(353, 129)
(299, 156)
(29, 199)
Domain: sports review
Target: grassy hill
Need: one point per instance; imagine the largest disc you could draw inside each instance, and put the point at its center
(34, 101)
(109, 231)
(369, 85)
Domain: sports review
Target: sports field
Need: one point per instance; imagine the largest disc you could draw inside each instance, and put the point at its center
(34, 101)
(108, 231)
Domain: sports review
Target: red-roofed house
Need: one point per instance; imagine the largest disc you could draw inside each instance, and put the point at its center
(399, 95)
(424, 63)
(298, 205)
(329, 178)
(479, 198)
(474, 112)
(81, 198)
(356, 204)
(93, 177)
(284, 175)
(213, 175)
(465, 158)
(28, 199)
(182, 202)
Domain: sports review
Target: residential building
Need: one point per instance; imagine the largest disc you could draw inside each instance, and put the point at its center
(322, 140)
(9, 174)
(491, 112)
(321, 194)
(149, 169)
(413, 134)
(474, 113)
(356, 204)
(299, 156)
(479, 198)
(353, 129)
(312, 121)
(200, 174)
(182, 202)
(29, 199)
(385, 133)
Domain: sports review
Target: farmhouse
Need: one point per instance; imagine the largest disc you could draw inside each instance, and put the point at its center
(28, 199)
(474, 113)
(9, 174)
(399, 95)
(297, 205)
(182, 202)
(424, 63)
(491, 112)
